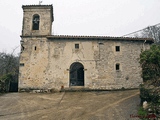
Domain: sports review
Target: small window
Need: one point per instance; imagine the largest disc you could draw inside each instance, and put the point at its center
(21, 64)
(117, 66)
(76, 46)
(35, 48)
(35, 22)
(117, 48)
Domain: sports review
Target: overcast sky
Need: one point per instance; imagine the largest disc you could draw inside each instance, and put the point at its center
(80, 17)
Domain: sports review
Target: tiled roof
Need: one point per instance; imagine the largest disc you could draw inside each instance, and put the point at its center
(36, 5)
(99, 38)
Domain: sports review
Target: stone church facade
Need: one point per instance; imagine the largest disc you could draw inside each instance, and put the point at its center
(64, 62)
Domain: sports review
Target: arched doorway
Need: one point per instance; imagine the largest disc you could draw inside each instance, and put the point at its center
(76, 74)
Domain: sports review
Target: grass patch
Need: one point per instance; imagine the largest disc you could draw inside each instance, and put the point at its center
(142, 113)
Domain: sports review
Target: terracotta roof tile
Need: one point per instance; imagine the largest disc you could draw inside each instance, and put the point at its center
(36, 5)
(98, 37)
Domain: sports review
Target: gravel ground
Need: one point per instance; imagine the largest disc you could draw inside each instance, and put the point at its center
(104, 105)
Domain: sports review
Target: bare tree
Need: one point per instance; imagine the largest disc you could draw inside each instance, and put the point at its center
(152, 32)
(148, 32)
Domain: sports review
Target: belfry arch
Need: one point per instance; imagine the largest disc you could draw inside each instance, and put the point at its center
(35, 22)
(76, 74)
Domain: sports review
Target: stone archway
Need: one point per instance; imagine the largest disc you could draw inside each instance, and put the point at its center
(76, 74)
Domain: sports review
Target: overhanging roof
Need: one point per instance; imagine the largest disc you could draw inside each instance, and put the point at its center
(150, 40)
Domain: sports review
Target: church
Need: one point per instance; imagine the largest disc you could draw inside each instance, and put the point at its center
(56, 62)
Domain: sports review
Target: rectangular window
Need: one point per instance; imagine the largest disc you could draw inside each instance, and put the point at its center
(76, 46)
(117, 48)
(35, 48)
(21, 64)
(117, 66)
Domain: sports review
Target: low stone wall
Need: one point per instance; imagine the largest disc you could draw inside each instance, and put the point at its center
(32, 90)
(71, 89)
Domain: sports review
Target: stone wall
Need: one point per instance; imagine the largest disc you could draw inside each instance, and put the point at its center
(45, 60)
(45, 23)
(45, 64)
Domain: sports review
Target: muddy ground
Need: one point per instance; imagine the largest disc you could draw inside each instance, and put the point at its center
(104, 105)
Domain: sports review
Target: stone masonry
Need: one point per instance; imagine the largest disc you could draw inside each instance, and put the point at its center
(60, 61)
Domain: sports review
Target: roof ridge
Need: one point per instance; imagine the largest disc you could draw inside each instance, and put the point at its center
(96, 36)
(38, 5)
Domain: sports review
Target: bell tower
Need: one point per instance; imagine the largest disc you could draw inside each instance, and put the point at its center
(37, 20)
(36, 26)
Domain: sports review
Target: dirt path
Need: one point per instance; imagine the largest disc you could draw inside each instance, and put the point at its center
(106, 105)
(115, 103)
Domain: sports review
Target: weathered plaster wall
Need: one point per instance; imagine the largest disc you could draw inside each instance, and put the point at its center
(47, 66)
(129, 75)
(35, 60)
(45, 63)
(45, 23)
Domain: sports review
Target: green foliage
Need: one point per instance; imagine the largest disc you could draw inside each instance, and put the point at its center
(150, 62)
(8, 64)
(142, 113)
(150, 91)
(144, 94)
(4, 82)
(9, 68)
(149, 95)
